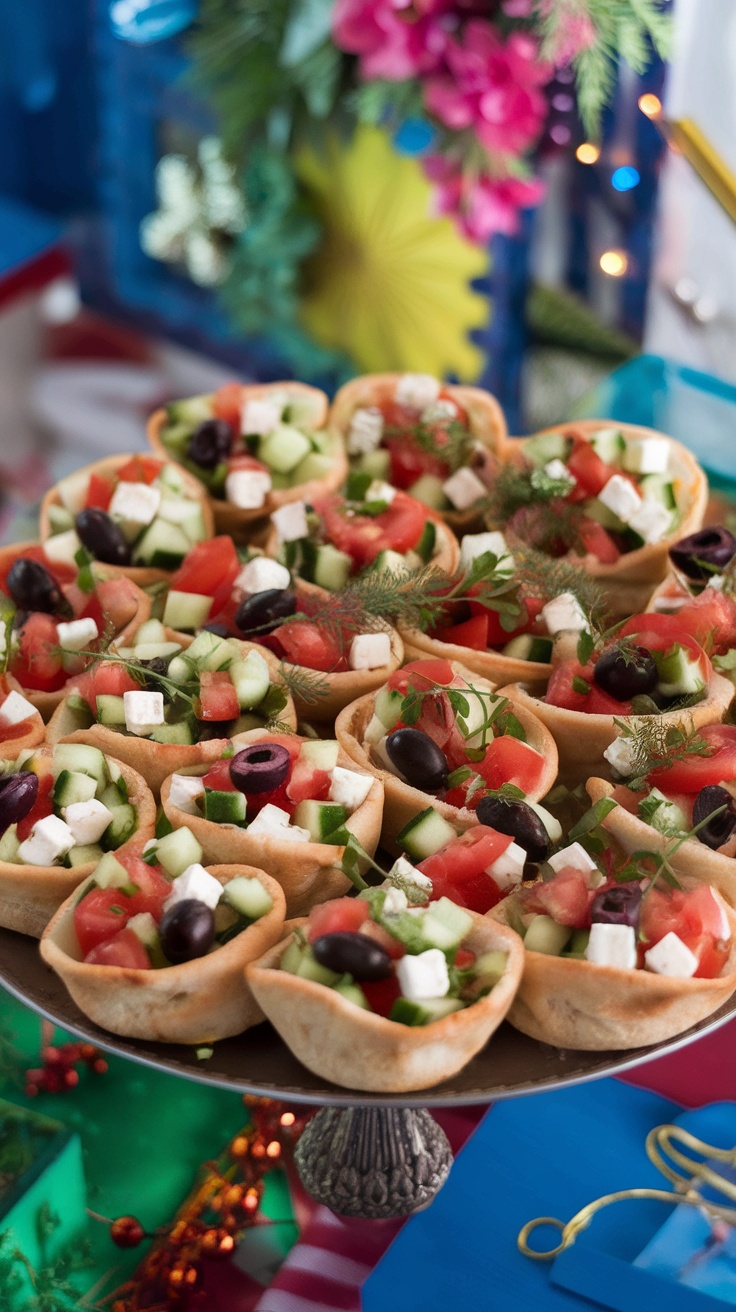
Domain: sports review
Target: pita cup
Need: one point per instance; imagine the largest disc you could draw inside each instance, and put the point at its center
(242, 525)
(629, 582)
(489, 664)
(33, 734)
(582, 739)
(309, 873)
(29, 895)
(358, 1049)
(142, 575)
(155, 761)
(669, 595)
(446, 553)
(691, 857)
(403, 802)
(576, 1004)
(487, 425)
(124, 604)
(196, 1002)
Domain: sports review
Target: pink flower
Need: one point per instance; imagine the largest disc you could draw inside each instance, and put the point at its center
(480, 204)
(574, 30)
(394, 41)
(492, 87)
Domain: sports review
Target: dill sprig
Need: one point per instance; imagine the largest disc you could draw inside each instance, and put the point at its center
(142, 673)
(657, 745)
(546, 578)
(305, 685)
(450, 441)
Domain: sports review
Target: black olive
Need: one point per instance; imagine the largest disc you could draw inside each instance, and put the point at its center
(626, 672)
(260, 767)
(418, 758)
(620, 905)
(187, 930)
(18, 792)
(718, 830)
(210, 443)
(102, 537)
(263, 609)
(352, 954)
(32, 587)
(700, 554)
(511, 816)
(156, 665)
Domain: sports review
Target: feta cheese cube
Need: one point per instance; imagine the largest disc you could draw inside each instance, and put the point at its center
(620, 496)
(49, 839)
(576, 856)
(508, 868)
(261, 574)
(143, 711)
(77, 634)
(290, 521)
(349, 788)
(439, 412)
(402, 868)
(464, 489)
(87, 820)
(564, 612)
(395, 901)
(365, 431)
(260, 416)
(183, 791)
(557, 469)
(271, 821)
(295, 834)
(671, 957)
(651, 520)
(61, 548)
(423, 976)
(474, 545)
(646, 455)
(621, 755)
(380, 491)
(612, 945)
(369, 651)
(417, 391)
(16, 708)
(134, 506)
(195, 882)
(247, 488)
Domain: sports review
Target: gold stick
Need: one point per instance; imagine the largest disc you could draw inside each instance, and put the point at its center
(684, 136)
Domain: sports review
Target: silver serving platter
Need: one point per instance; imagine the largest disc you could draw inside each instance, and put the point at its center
(258, 1062)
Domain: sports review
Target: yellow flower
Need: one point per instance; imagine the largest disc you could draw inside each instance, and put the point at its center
(390, 283)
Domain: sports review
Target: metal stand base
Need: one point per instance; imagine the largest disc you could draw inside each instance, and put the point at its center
(373, 1162)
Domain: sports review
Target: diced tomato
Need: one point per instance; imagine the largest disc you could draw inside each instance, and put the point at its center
(139, 469)
(566, 898)
(459, 871)
(118, 600)
(597, 541)
(227, 404)
(560, 691)
(10, 731)
(395, 949)
(42, 807)
(99, 491)
(101, 915)
(509, 760)
(37, 662)
(472, 633)
(307, 782)
(243, 460)
(302, 643)
(104, 679)
(255, 802)
(698, 918)
(340, 915)
(88, 606)
(464, 958)
(125, 950)
(396, 415)
(209, 569)
(693, 772)
(422, 675)
(381, 994)
(217, 699)
(153, 886)
(218, 777)
(711, 620)
(409, 461)
(363, 537)
(591, 472)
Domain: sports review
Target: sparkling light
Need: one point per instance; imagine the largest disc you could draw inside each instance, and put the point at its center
(650, 105)
(588, 152)
(625, 178)
(614, 263)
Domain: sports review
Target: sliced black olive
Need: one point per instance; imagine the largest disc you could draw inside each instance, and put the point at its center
(418, 758)
(102, 537)
(512, 816)
(352, 954)
(716, 831)
(702, 554)
(263, 609)
(260, 767)
(617, 906)
(625, 672)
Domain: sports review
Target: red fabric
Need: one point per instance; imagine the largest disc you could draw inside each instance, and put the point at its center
(34, 275)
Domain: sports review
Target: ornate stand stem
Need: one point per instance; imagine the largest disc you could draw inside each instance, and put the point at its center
(373, 1162)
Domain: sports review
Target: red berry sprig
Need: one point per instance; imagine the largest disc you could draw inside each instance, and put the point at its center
(58, 1073)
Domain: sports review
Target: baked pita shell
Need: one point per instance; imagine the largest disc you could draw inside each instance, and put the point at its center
(489, 664)
(358, 1049)
(11, 748)
(196, 1002)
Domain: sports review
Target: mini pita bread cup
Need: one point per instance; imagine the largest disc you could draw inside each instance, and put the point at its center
(629, 582)
(487, 424)
(141, 575)
(196, 1002)
(156, 761)
(11, 748)
(576, 1004)
(582, 739)
(489, 664)
(126, 611)
(446, 553)
(358, 1049)
(402, 802)
(244, 525)
(691, 857)
(669, 596)
(30, 895)
(309, 873)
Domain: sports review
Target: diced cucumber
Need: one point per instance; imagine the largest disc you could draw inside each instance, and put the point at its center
(391, 562)
(578, 943)
(679, 675)
(659, 487)
(609, 444)
(151, 651)
(180, 668)
(84, 853)
(545, 935)
(71, 787)
(163, 546)
(150, 631)
(490, 966)
(326, 566)
(248, 897)
(110, 873)
(209, 651)
(291, 958)
(309, 968)
(110, 709)
(428, 489)
(528, 647)
(9, 845)
(171, 478)
(82, 758)
(302, 409)
(426, 545)
(224, 808)
(189, 413)
(544, 447)
(145, 929)
(110, 796)
(60, 519)
(180, 733)
(73, 491)
(177, 850)
(353, 992)
(251, 680)
(186, 610)
(62, 548)
(122, 826)
(407, 1012)
(425, 835)
(315, 465)
(321, 753)
(376, 463)
(387, 706)
(320, 818)
(602, 514)
(445, 924)
(284, 448)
